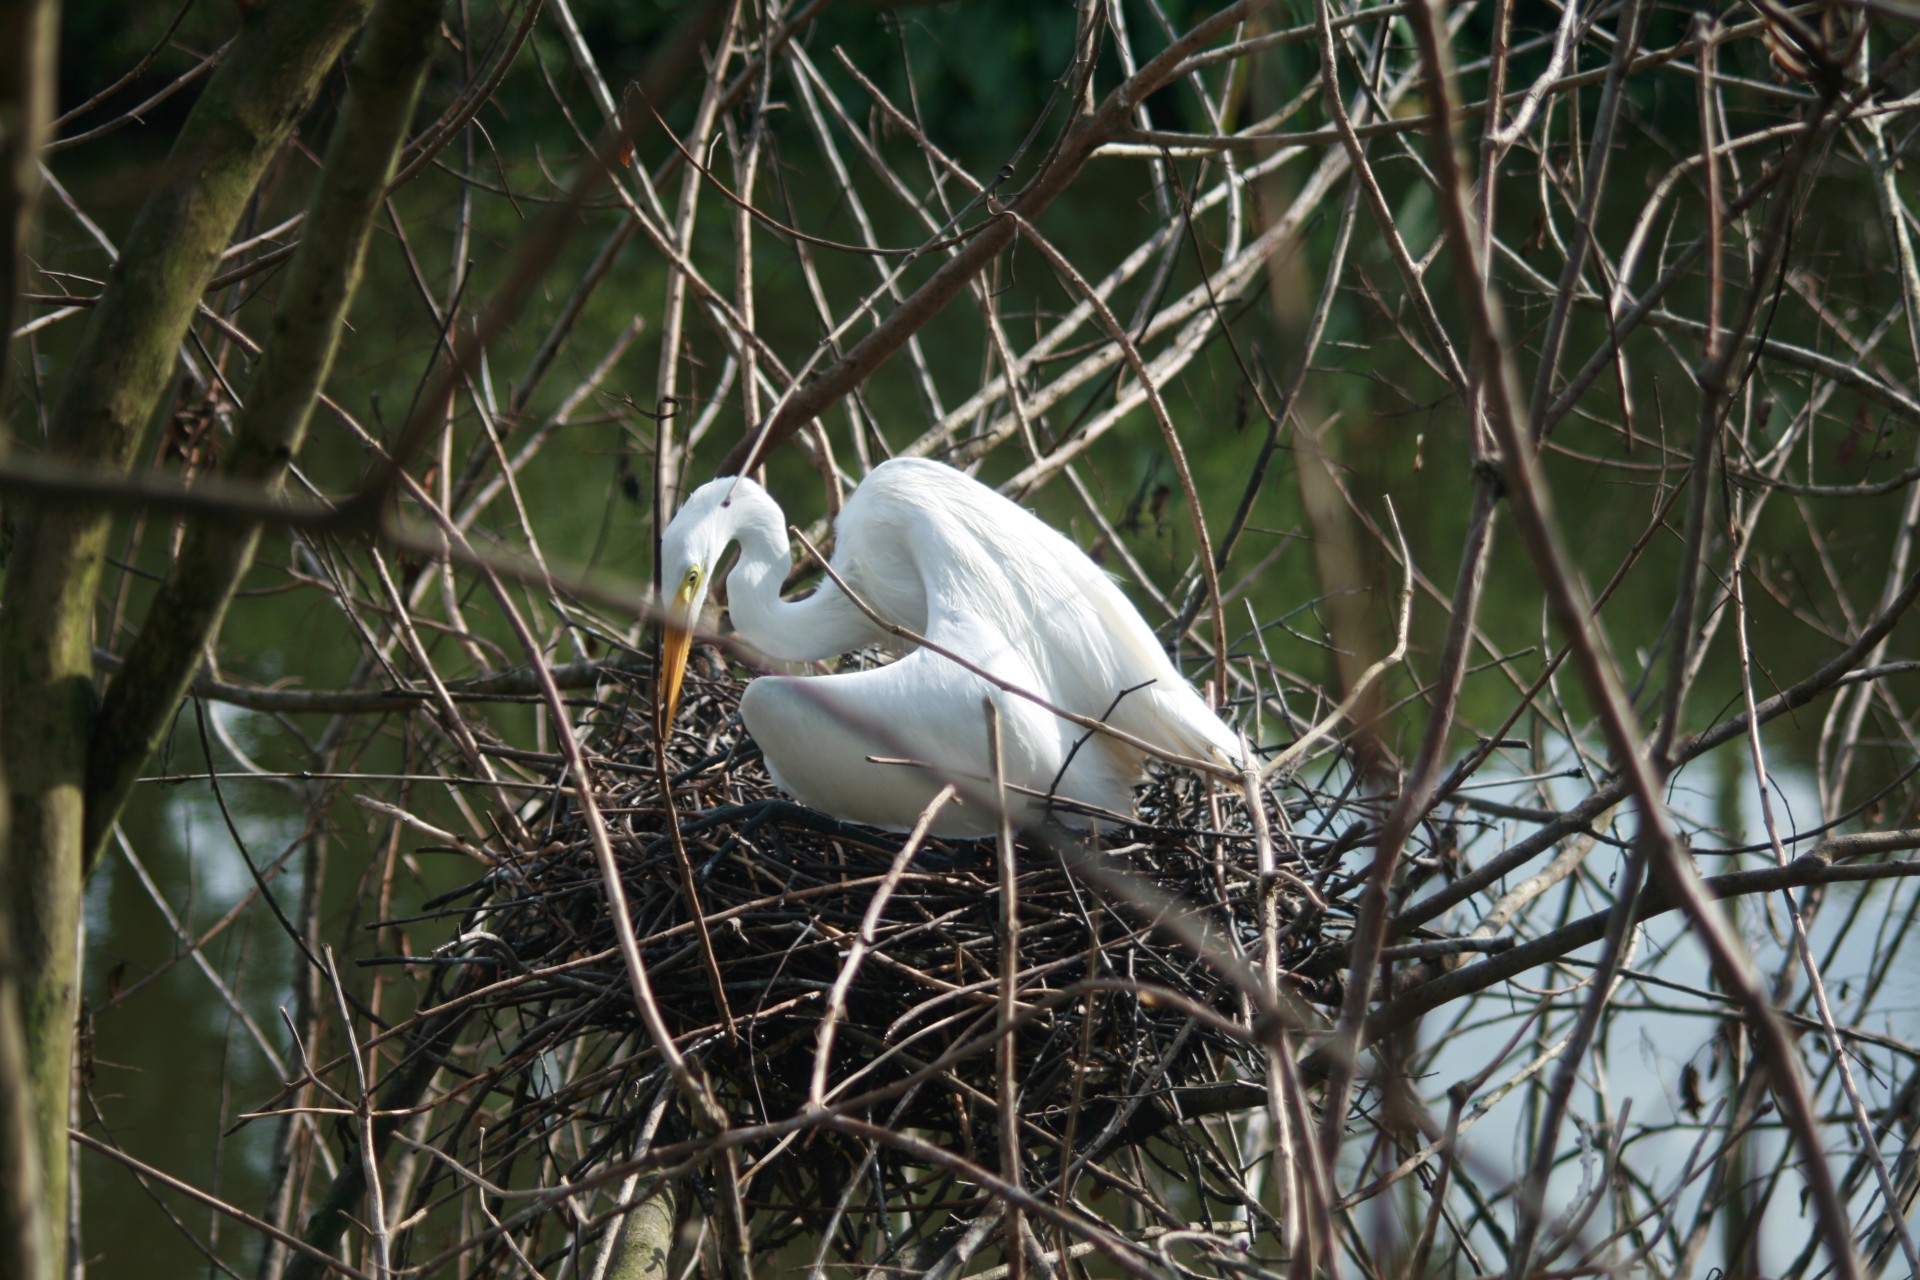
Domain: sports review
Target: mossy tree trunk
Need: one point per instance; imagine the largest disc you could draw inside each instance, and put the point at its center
(120, 371)
(643, 1244)
(294, 361)
(27, 63)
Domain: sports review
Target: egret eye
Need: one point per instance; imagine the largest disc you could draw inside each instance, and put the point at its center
(693, 577)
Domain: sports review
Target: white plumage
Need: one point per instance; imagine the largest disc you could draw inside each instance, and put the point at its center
(930, 549)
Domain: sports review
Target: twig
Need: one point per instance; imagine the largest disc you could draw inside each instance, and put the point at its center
(145, 1170)
(865, 942)
(1379, 667)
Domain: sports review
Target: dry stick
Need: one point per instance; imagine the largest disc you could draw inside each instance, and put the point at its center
(1280, 39)
(1837, 670)
(452, 721)
(1195, 318)
(1077, 89)
(981, 994)
(364, 1135)
(1679, 266)
(689, 888)
(1174, 916)
(185, 78)
(746, 171)
(754, 61)
(745, 208)
(463, 496)
(752, 450)
(1168, 432)
(1212, 57)
(491, 431)
(562, 329)
(1697, 1157)
(501, 686)
(674, 306)
(1123, 1253)
(1082, 1062)
(1491, 742)
(1848, 374)
(1371, 926)
(144, 1170)
(1309, 348)
(1288, 1150)
(1803, 948)
(1410, 275)
(458, 116)
(1075, 147)
(706, 1110)
(1714, 375)
(1599, 153)
(1533, 509)
(1712, 378)
(1895, 218)
(1812, 135)
(1165, 179)
(1057, 1254)
(133, 73)
(814, 90)
(1419, 1263)
(1231, 278)
(1498, 138)
(971, 1241)
(1313, 1195)
(212, 498)
(611, 116)
(1465, 1089)
(1738, 530)
(936, 437)
(405, 1084)
(1005, 1042)
(665, 69)
(1391, 658)
(1878, 1242)
(1816, 868)
(865, 941)
(562, 416)
(187, 945)
(732, 327)
(1001, 350)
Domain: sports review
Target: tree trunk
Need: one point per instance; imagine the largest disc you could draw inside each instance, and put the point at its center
(27, 44)
(296, 357)
(123, 364)
(645, 1239)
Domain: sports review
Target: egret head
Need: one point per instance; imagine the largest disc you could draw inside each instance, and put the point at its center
(690, 552)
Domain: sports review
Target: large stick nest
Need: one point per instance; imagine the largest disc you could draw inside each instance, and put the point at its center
(1127, 1020)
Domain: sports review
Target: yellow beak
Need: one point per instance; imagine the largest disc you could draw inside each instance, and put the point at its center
(676, 642)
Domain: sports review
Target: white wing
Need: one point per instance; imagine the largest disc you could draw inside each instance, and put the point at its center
(941, 553)
(820, 735)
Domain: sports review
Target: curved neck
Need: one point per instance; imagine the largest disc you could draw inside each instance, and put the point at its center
(824, 625)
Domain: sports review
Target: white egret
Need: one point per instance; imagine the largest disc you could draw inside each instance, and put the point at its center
(934, 551)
